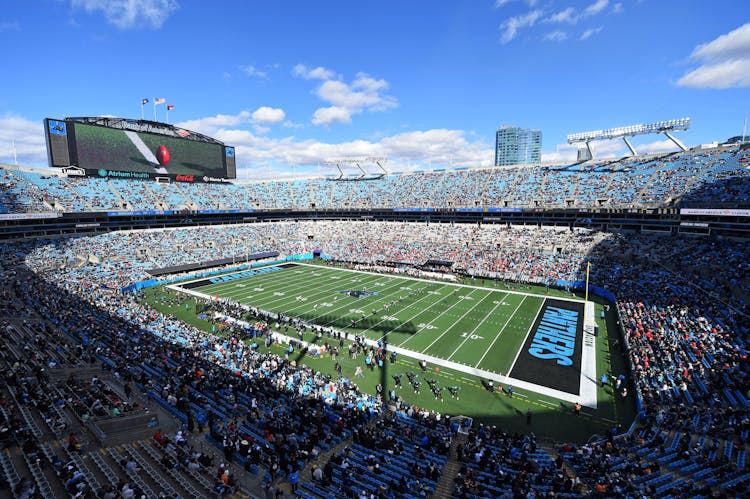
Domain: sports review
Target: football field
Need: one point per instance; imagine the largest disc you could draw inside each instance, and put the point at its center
(533, 341)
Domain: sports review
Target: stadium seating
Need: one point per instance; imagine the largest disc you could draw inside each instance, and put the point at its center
(693, 178)
(682, 306)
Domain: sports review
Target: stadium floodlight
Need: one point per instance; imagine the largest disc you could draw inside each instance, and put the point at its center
(355, 160)
(358, 161)
(629, 131)
(623, 133)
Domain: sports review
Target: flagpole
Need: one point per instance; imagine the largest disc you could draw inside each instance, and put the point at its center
(167, 114)
(141, 109)
(154, 108)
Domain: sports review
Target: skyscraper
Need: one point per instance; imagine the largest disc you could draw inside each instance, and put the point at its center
(515, 146)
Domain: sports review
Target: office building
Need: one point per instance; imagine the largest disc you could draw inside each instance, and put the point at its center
(514, 146)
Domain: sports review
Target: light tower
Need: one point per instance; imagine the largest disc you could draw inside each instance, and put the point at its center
(664, 127)
(358, 162)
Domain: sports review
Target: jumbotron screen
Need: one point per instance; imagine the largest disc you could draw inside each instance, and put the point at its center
(108, 151)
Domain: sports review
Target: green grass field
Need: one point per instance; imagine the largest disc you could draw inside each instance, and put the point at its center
(478, 325)
(474, 326)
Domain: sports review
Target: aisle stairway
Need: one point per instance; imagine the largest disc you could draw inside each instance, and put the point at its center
(444, 489)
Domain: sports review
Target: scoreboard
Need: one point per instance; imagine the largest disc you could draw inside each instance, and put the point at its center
(121, 148)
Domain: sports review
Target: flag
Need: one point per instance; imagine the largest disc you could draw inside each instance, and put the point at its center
(144, 102)
(183, 133)
(159, 100)
(170, 107)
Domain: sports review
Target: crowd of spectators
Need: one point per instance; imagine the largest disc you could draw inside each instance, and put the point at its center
(500, 464)
(694, 178)
(681, 302)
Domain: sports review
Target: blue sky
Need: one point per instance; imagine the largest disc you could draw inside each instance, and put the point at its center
(426, 84)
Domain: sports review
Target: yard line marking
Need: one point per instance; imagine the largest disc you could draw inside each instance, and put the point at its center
(455, 366)
(281, 282)
(531, 326)
(434, 318)
(383, 297)
(501, 332)
(458, 285)
(481, 323)
(293, 285)
(320, 295)
(143, 149)
(426, 295)
(451, 327)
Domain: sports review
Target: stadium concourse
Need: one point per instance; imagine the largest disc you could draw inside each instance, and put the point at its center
(250, 422)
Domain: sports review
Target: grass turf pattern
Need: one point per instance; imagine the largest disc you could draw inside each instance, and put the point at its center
(482, 325)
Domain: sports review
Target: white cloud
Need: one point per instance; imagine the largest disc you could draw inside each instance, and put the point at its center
(595, 8)
(501, 3)
(251, 70)
(564, 16)
(725, 62)
(330, 115)
(727, 74)
(318, 73)
(265, 115)
(735, 44)
(260, 156)
(126, 14)
(365, 93)
(570, 16)
(563, 153)
(511, 25)
(438, 145)
(258, 119)
(211, 124)
(28, 137)
(263, 156)
(618, 8)
(656, 146)
(591, 32)
(556, 36)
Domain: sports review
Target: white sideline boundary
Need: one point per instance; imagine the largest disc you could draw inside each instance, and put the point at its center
(143, 149)
(588, 357)
(588, 382)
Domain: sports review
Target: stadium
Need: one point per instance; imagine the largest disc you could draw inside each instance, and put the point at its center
(559, 329)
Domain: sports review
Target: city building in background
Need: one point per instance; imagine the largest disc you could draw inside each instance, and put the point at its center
(514, 146)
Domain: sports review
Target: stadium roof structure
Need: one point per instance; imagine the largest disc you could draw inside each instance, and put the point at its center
(624, 132)
(358, 162)
(145, 126)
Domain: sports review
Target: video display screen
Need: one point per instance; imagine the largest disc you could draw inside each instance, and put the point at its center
(103, 148)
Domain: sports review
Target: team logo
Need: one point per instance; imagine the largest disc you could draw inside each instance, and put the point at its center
(102, 172)
(357, 293)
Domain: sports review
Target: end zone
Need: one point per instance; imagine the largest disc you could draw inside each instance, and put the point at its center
(559, 351)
